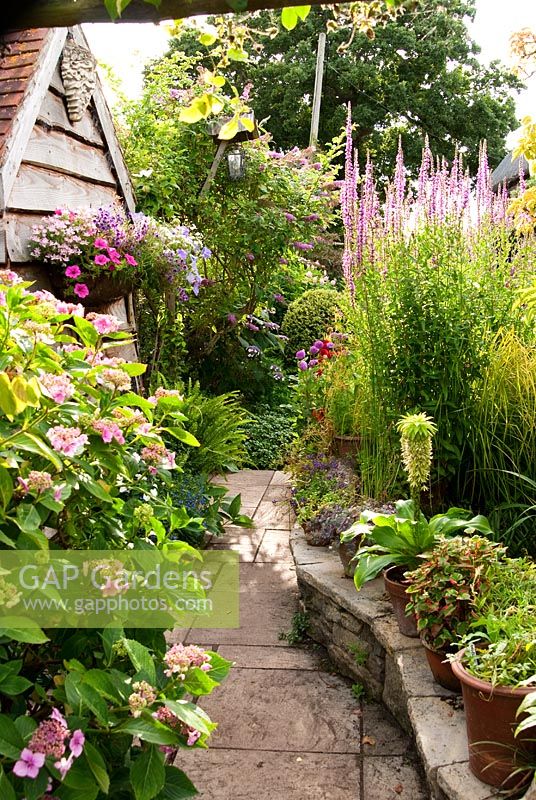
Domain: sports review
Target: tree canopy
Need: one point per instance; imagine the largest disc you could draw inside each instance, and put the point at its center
(418, 76)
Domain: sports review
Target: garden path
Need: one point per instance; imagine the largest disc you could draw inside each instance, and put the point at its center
(289, 727)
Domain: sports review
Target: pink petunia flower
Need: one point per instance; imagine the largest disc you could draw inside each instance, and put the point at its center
(114, 255)
(81, 290)
(131, 260)
(101, 259)
(73, 271)
(29, 764)
(100, 243)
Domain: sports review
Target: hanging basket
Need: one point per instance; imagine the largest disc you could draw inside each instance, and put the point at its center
(104, 288)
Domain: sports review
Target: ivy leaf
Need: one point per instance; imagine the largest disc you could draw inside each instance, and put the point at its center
(147, 774)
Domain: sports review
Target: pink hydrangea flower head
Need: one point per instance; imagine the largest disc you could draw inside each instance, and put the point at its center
(37, 482)
(109, 431)
(68, 441)
(73, 271)
(180, 658)
(3, 300)
(58, 387)
(104, 323)
(29, 764)
(81, 290)
(49, 738)
(114, 379)
(9, 278)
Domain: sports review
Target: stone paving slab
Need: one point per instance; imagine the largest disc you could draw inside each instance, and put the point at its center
(440, 733)
(285, 710)
(274, 547)
(393, 778)
(222, 774)
(263, 657)
(273, 515)
(459, 783)
(289, 727)
(383, 736)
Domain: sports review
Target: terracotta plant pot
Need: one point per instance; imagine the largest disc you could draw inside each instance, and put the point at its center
(490, 714)
(347, 551)
(442, 669)
(393, 578)
(103, 288)
(345, 445)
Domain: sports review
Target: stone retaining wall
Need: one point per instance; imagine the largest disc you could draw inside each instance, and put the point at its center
(361, 635)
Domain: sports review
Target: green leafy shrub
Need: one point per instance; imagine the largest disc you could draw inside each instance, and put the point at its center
(86, 712)
(310, 317)
(219, 424)
(270, 433)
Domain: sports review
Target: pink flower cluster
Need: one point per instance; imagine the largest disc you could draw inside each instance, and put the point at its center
(156, 455)
(68, 441)
(161, 392)
(180, 658)
(114, 380)
(104, 323)
(58, 306)
(9, 278)
(49, 740)
(443, 192)
(167, 717)
(58, 387)
(143, 695)
(109, 431)
(37, 482)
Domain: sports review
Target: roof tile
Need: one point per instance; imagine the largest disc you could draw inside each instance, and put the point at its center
(19, 53)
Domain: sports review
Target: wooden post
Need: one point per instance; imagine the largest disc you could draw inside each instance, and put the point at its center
(317, 96)
(212, 171)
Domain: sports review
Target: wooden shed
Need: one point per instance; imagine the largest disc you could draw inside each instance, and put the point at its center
(49, 158)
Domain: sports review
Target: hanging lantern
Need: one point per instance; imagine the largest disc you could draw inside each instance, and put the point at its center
(236, 163)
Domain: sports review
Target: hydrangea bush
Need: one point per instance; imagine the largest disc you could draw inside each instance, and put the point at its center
(89, 713)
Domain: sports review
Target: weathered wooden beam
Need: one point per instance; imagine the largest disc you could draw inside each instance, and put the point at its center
(62, 13)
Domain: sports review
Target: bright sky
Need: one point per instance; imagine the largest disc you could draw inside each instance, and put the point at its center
(127, 47)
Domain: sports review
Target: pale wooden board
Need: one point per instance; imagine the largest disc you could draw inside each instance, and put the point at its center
(107, 125)
(2, 242)
(56, 81)
(38, 189)
(53, 112)
(22, 125)
(18, 228)
(62, 153)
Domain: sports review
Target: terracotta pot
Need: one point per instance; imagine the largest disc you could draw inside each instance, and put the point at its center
(345, 445)
(490, 714)
(347, 551)
(442, 669)
(104, 288)
(395, 587)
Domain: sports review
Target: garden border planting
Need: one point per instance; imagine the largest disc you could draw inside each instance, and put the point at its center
(360, 633)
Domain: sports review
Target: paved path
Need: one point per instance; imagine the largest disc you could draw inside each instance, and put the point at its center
(289, 727)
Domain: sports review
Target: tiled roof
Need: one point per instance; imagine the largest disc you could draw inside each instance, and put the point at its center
(19, 53)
